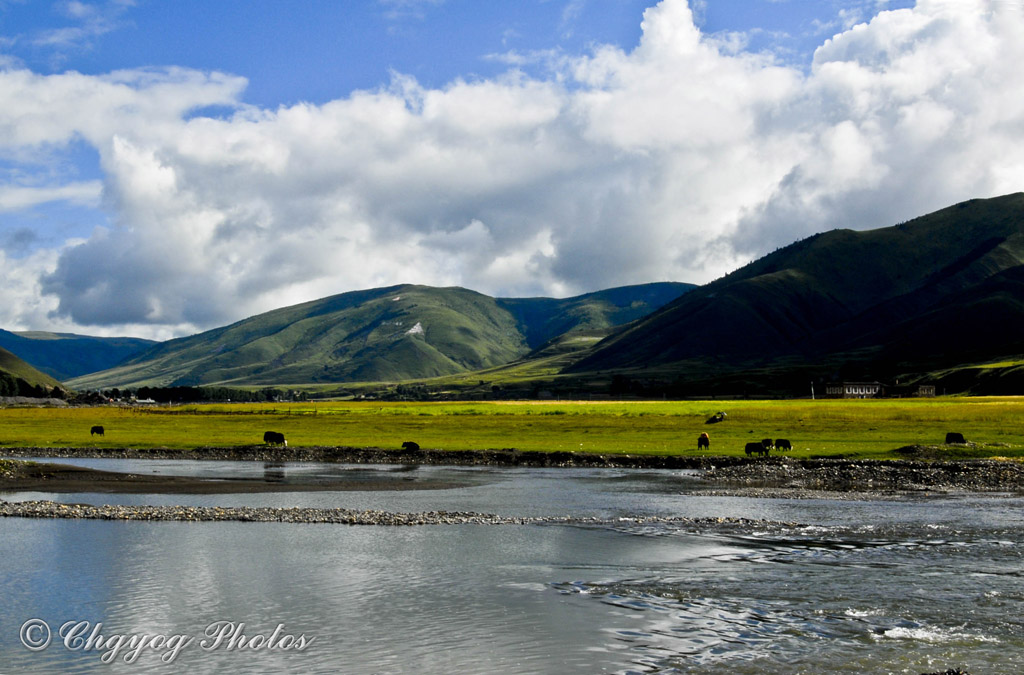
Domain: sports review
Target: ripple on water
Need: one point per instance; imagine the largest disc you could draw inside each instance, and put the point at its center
(671, 630)
(934, 634)
(768, 602)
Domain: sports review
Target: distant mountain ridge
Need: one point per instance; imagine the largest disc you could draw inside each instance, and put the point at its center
(66, 355)
(543, 319)
(395, 333)
(936, 290)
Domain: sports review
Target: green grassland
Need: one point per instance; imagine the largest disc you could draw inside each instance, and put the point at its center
(837, 428)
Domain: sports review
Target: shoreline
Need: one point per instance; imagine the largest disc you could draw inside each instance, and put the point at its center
(21, 476)
(373, 455)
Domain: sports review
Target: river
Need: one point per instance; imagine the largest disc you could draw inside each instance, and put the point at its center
(911, 585)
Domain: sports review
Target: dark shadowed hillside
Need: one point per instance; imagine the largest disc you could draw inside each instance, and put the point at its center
(934, 291)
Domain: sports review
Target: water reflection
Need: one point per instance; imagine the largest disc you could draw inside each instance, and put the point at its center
(273, 472)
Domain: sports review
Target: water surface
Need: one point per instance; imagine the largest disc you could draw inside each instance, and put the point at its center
(907, 586)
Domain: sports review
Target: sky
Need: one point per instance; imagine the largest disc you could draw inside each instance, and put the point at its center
(171, 166)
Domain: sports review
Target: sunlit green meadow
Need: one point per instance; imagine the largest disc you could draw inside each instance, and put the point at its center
(850, 428)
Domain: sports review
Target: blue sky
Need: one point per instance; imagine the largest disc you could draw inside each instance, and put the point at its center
(319, 50)
(171, 166)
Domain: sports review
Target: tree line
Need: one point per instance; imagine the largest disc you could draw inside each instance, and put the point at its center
(204, 394)
(16, 386)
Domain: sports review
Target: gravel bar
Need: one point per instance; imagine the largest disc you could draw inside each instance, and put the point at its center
(50, 509)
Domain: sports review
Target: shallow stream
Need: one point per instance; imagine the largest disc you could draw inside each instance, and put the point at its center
(908, 586)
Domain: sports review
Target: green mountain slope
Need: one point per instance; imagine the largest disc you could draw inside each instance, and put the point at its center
(387, 334)
(12, 369)
(905, 296)
(65, 355)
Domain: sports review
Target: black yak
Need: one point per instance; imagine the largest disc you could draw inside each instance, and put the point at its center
(755, 449)
(704, 442)
(96, 431)
(274, 438)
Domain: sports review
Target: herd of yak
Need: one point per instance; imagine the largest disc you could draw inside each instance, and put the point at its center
(760, 448)
(703, 442)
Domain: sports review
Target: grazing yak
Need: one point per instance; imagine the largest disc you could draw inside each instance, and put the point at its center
(274, 438)
(783, 444)
(755, 449)
(96, 431)
(412, 446)
(953, 437)
(704, 442)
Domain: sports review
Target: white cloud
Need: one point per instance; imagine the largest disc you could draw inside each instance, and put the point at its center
(16, 198)
(679, 159)
(40, 111)
(24, 306)
(903, 115)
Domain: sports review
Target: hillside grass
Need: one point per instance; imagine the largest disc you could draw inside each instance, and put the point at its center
(16, 367)
(399, 333)
(833, 428)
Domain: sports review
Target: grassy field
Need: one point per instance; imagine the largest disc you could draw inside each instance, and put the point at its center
(854, 428)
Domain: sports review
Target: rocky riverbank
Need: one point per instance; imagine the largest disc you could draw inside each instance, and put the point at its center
(353, 455)
(847, 475)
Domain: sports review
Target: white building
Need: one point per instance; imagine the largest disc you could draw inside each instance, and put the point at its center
(854, 390)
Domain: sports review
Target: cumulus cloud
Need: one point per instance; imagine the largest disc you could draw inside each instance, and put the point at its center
(42, 111)
(910, 112)
(679, 159)
(24, 306)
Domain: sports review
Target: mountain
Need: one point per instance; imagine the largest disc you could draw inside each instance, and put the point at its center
(13, 369)
(541, 320)
(939, 290)
(66, 355)
(385, 334)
